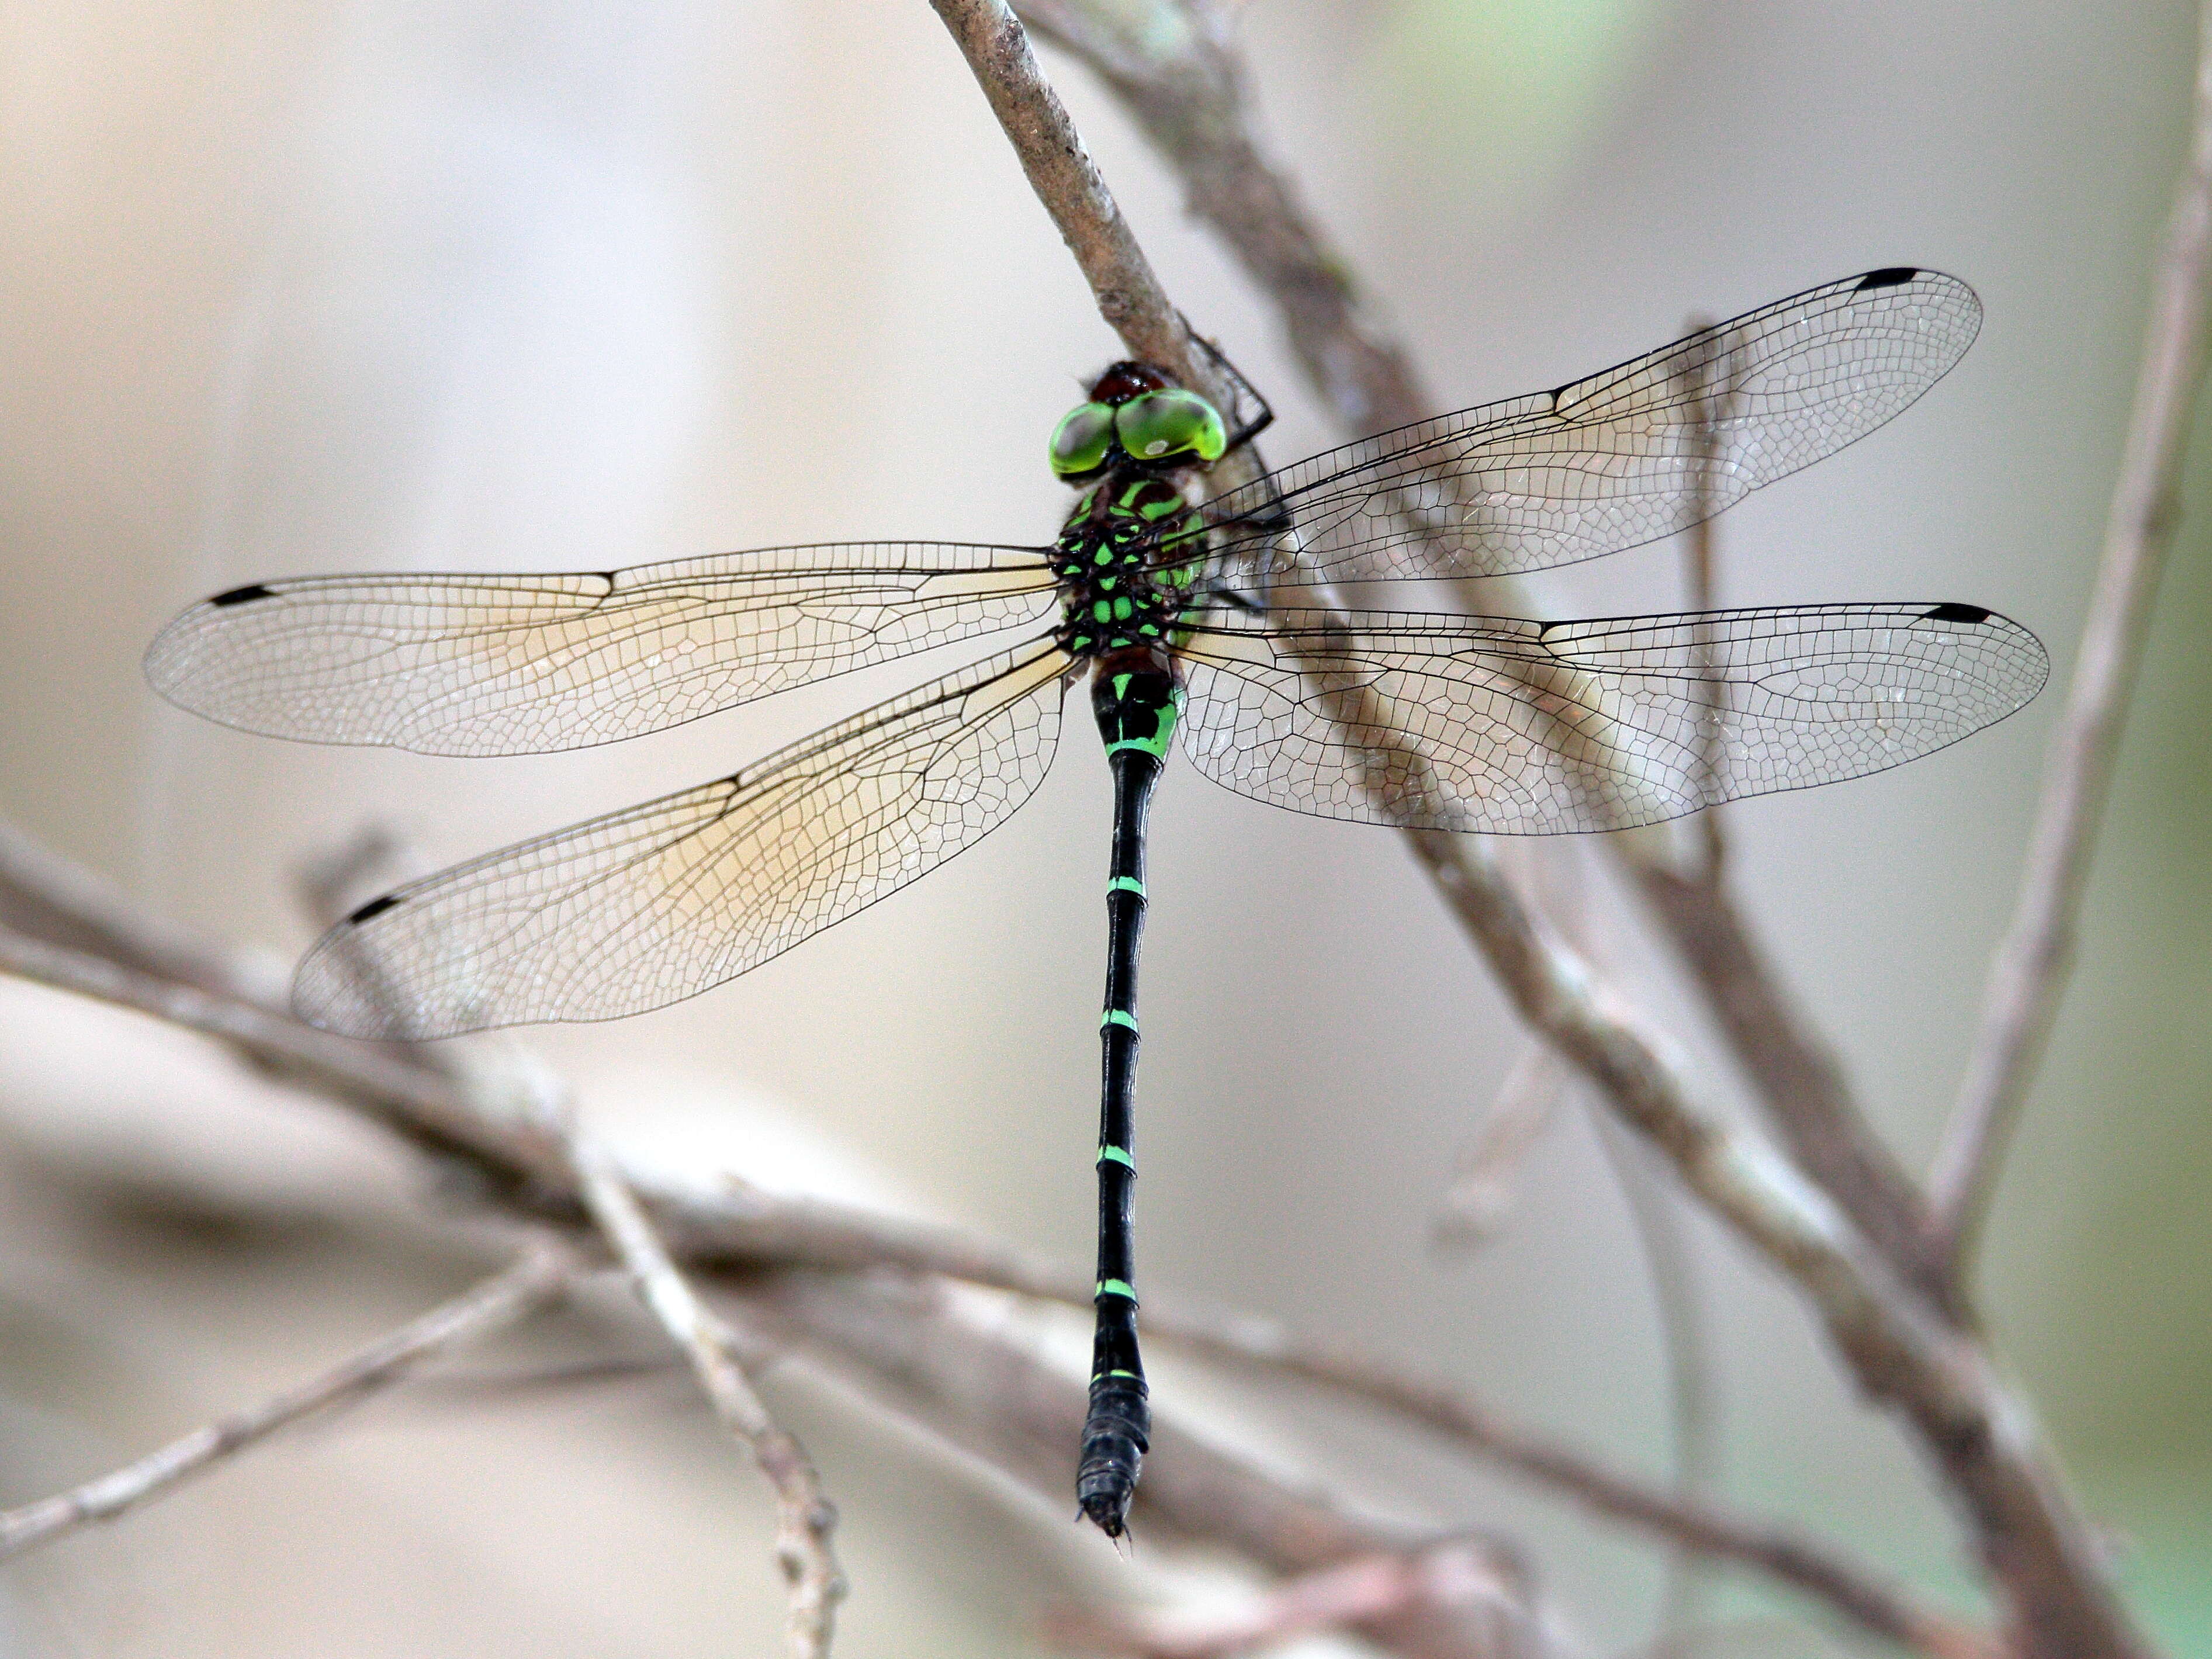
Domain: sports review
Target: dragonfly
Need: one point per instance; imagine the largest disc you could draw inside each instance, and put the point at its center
(1192, 610)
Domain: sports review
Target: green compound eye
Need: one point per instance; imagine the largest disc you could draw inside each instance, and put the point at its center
(1080, 442)
(1160, 424)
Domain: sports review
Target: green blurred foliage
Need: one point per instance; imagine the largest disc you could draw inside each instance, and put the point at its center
(1489, 97)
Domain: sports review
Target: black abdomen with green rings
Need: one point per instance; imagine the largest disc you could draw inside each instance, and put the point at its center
(1128, 557)
(1136, 699)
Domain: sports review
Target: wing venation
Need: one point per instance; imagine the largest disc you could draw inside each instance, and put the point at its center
(647, 906)
(1620, 458)
(512, 664)
(1513, 727)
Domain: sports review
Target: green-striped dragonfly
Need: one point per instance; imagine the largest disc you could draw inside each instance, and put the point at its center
(1181, 605)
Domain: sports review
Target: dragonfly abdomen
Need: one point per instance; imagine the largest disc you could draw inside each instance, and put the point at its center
(1134, 695)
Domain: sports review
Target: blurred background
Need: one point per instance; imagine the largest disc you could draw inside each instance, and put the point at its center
(477, 283)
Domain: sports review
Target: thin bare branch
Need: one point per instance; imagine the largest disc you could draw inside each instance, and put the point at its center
(1701, 573)
(1474, 1209)
(1175, 68)
(940, 1361)
(1851, 1591)
(1362, 1590)
(1059, 170)
(736, 1225)
(2031, 1539)
(1800, 1082)
(1656, 1206)
(542, 1273)
(806, 1518)
(47, 897)
(2030, 972)
(1559, 887)
(427, 1106)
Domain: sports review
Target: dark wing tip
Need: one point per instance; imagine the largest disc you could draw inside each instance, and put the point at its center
(1955, 613)
(1888, 277)
(375, 907)
(245, 595)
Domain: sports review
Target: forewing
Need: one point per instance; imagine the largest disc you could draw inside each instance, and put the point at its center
(1622, 457)
(509, 664)
(1531, 728)
(646, 907)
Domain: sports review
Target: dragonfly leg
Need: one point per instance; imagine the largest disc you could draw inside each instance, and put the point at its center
(1258, 424)
(1235, 600)
(1137, 703)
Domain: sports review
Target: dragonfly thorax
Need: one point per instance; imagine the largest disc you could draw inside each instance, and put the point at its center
(1127, 558)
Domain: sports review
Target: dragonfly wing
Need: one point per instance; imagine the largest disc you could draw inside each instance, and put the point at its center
(646, 907)
(1511, 728)
(1619, 459)
(513, 665)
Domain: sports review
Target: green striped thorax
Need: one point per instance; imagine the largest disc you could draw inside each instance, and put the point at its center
(1131, 550)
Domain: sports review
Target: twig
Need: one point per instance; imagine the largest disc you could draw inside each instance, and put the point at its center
(942, 1362)
(1474, 1209)
(2032, 1541)
(733, 1225)
(1693, 1404)
(46, 895)
(1174, 69)
(1446, 1575)
(1693, 1523)
(1060, 169)
(1800, 1082)
(805, 1516)
(1701, 561)
(1559, 887)
(543, 1271)
(2030, 972)
(428, 1106)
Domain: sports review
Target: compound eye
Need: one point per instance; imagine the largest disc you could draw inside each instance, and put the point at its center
(1161, 424)
(1081, 440)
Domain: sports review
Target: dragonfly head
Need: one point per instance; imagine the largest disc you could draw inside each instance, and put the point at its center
(1136, 413)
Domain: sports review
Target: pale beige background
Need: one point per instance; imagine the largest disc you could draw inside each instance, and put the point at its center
(399, 283)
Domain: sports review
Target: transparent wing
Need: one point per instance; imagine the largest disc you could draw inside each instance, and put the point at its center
(646, 907)
(500, 665)
(1622, 457)
(1539, 728)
